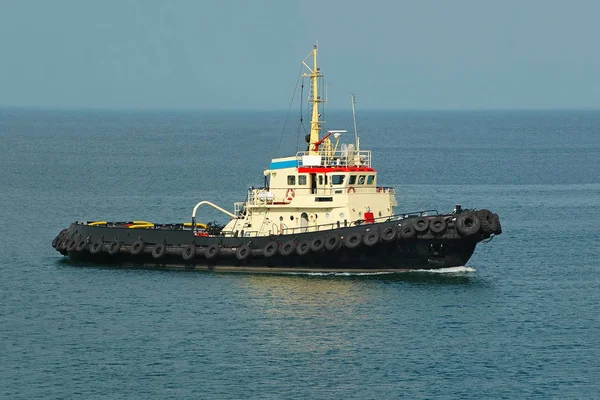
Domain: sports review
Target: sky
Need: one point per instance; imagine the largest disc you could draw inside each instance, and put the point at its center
(197, 54)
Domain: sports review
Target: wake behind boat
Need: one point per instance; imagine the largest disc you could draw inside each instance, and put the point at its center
(320, 210)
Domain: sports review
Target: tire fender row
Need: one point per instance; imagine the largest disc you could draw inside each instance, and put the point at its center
(466, 223)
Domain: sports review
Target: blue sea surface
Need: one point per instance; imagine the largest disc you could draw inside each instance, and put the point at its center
(520, 320)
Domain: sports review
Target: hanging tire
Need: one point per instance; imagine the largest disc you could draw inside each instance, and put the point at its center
(287, 248)
(438, 225)
(486, 219)
(62, 245)
(81, 245)
(317, 243)
(55, 242)
(303, 248)
(353, 240)
(421, 224)
(137, 247)
(71, 245)
(189, 252)
(114, 247)
(97, 247)
(243, 252)
(408, 232)
(159, 250)
(270, 249)
(332, 242)
(371, 238)
(212, 251)
(497, 226)
(389, 234)
(467, 223)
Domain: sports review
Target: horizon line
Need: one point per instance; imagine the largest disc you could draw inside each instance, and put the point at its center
(257, 110)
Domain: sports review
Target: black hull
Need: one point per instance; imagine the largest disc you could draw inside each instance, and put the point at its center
(380, 247)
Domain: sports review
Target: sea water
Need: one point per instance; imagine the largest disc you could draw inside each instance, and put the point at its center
(520, 320)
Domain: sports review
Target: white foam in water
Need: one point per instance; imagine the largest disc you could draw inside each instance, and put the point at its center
(338, 273)
(450, 270)
(348, 273)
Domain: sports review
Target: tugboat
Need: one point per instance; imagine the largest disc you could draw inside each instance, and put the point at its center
(320, 210)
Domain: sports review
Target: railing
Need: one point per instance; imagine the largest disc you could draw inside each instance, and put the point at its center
(238, 206)
(264, 196)
(260, 196)
(277, 230)
(344, 158)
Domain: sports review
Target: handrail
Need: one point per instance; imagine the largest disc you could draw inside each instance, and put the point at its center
(339, 158)
(212, 205)
(332, 225)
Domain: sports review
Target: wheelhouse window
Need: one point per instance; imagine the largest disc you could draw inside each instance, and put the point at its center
(291, 180)
(361, 180)
(320, 180)
(301, 179)
(352, 180)
(338, 179)
(370, 179)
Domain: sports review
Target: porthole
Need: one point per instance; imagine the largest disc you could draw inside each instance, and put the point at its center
(281, 218)
(292, 217)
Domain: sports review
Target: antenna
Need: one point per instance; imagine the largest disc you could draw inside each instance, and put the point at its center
(354, 118)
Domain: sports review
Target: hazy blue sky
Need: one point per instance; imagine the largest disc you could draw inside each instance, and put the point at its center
(246, 54)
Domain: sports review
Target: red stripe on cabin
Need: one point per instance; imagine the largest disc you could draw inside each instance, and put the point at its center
(325, 170)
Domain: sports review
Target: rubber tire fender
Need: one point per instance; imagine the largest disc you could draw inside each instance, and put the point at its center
(270, 249)
(421, 224)
(81, 245)
(371, 238)
(114, 247)
(317, 243)
(303, 248)
(137, 247)
(189, 252)
(97, 247)
(438, 225)
(212, 251)
(243, 252)
(353, 240)
(408, 232)
(71, 245)
(159, 250)
(486, 219)
(287, 248)
(62, 245)
(467, 223)
(389, 234)
(332, 242)
(498, 229)
(58, 239)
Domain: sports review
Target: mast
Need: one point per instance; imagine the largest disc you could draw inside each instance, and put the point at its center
(315, 123)
(354, 119)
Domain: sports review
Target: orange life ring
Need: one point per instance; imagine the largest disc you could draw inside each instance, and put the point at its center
(351, 189)
(290, 194)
